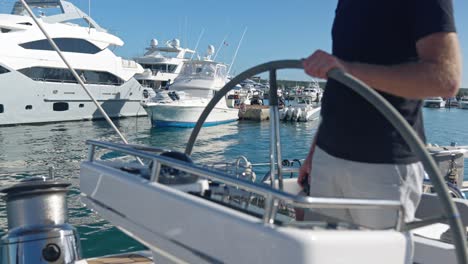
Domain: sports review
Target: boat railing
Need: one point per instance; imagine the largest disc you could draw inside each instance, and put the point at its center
(271, 196)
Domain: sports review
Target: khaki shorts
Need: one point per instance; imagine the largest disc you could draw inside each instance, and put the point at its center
(339, 178)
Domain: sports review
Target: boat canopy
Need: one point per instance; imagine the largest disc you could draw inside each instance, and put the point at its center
(204, 70)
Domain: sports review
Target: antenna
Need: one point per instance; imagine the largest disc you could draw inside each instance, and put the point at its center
(220, 46)
(235, 54)
(198, 42)
(186, 42)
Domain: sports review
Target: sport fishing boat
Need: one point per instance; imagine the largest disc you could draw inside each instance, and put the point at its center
(162, 64)
(190, 93)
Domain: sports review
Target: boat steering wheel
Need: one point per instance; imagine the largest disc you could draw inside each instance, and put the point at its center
(451, 213)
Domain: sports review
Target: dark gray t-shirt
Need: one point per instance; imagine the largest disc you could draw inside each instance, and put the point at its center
(382, 32)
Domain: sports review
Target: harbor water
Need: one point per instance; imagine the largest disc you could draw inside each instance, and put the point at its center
(30, 149)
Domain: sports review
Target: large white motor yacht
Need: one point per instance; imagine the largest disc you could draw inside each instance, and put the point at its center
(162, 64)
(192, 90)
(36, 85)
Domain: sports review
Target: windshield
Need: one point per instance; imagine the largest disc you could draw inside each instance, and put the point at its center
(204, 70)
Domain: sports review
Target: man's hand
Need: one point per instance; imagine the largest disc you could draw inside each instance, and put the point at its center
(304, 171)
(320, 63)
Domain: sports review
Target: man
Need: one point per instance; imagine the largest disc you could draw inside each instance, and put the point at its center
(407, 50)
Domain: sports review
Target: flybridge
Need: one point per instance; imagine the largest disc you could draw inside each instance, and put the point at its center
(64, 11)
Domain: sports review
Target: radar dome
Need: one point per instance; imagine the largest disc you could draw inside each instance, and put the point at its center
(154, 43)
(211, 50)
(175, 43)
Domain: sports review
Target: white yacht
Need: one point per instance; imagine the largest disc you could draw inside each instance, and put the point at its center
(434, 102)
(162, 64)
(190, 93)
(36, 85)
(463, 103)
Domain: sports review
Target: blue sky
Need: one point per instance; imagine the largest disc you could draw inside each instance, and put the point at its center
(276, 29)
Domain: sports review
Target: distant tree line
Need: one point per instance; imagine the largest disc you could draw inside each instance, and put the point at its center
(288, 84)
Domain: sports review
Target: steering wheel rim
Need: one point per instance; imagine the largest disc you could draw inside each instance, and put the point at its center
(384, 107)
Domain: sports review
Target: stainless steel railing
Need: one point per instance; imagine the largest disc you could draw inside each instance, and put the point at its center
(272, 196)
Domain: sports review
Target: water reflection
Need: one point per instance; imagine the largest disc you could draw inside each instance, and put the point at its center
(30, 149)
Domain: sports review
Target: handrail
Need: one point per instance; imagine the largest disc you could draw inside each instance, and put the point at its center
(264, 190)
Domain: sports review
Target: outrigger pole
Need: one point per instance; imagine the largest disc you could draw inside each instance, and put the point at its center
(198, 42)
(237, 50)
(220, 46)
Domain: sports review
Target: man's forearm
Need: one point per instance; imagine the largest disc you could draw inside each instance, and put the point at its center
(416, 80)
(437, 73)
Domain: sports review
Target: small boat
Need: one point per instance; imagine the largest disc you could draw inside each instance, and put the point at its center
(434, 102)
(303, 108)
(238, 96)
(192, 90)
(463, 103)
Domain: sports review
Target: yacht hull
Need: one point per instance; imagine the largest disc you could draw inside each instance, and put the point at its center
(25, 101)
(163, 115)
(434, 104)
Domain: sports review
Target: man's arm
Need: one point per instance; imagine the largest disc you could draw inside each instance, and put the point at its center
(436, 73)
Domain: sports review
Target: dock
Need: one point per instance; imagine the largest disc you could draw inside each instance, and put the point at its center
(254, 113)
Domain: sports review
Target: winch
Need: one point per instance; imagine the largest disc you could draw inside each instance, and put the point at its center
(38, 231)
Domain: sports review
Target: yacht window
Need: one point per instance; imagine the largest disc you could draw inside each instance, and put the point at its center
(64, 44)
(28, 107)
(96, 77)
(2, 109)
(25, 23)
(171, 67)
(3, 70)
(60, 107)
(5, 30)
(65, 76)
(81, 105)
(161, 67)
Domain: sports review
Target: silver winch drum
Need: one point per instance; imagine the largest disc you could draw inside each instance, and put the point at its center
(37, 223)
